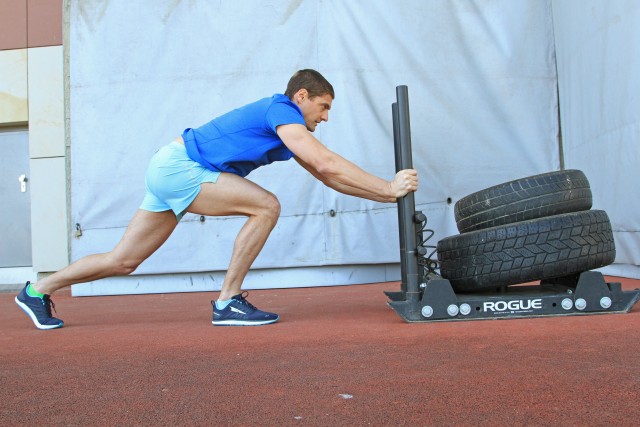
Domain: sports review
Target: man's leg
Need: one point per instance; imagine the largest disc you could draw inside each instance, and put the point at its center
(146, 232)
(234, 195)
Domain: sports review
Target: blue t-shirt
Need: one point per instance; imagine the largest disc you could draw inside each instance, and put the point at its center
(244, 139)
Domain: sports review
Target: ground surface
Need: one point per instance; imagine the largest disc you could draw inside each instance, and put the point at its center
(339, 357)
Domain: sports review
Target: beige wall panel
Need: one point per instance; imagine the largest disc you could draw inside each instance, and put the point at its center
(13, 87)
(48, 214)
(46, 102)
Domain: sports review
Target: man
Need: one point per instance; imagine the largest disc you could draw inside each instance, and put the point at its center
(203, 172)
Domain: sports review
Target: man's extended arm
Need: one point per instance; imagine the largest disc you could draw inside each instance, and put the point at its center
(345, 189)
(341, 174)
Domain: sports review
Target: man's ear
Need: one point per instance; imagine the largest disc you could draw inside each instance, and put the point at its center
(301, 95)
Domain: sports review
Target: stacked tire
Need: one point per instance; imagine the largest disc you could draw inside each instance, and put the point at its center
(534, 228)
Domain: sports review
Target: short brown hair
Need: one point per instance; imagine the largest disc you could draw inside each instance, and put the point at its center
(312, 81)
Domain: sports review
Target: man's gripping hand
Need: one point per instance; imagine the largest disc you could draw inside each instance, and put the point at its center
(405, 181)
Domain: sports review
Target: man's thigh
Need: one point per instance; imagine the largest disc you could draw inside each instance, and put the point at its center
(146, 232)
(231, 195)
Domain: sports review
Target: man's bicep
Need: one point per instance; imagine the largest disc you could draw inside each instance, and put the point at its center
(298, 139)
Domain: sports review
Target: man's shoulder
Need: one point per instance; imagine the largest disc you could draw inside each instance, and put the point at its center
(280, 98)
(281, 103)
(264, 113)
(277, 100)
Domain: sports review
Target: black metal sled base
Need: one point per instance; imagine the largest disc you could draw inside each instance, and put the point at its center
(583, 294)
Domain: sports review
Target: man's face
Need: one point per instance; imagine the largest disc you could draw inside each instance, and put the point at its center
(315, 110)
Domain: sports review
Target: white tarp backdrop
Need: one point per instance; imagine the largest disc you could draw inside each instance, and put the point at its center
(598, 45)
(483, 96)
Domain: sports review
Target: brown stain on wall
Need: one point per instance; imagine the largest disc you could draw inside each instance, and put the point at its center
(13, 109)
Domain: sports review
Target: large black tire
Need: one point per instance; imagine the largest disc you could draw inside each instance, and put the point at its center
(537, 196)
(538, 249)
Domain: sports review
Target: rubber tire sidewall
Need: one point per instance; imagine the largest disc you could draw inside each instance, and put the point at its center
(538, 249)
(532, 197)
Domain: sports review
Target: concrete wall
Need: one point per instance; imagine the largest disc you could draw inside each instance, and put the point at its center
(32, 94)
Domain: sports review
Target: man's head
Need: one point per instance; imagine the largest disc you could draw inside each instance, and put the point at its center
(313, 94)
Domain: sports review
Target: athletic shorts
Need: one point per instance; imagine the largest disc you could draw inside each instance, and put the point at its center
(173, 180)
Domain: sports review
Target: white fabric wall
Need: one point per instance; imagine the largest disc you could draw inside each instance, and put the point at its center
(482, 88)
(598, 49)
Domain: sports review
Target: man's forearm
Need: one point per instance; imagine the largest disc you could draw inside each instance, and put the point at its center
(346, 177)
(344, 188)
(357, 192)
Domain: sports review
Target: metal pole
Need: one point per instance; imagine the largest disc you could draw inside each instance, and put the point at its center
(407, 202)
(401, 225)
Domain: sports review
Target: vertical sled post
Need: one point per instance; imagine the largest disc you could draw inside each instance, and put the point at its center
(406, 204)
(401, 225)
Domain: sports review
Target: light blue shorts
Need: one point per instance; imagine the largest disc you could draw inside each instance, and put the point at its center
(173, 180)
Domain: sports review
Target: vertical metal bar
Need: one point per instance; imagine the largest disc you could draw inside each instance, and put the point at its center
(401, 225)
(408, 201)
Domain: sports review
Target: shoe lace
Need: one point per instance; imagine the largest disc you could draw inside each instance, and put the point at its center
(243, 300)
(48, 304)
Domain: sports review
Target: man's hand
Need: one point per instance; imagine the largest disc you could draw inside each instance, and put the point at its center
(405, 181)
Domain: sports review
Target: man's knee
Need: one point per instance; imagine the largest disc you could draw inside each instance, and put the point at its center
(124, 266)
(271, 207)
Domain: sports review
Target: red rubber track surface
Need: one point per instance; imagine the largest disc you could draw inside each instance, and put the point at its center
(338, 357)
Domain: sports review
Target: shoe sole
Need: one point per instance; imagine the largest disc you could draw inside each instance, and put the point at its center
(33, 317)
(243, 322)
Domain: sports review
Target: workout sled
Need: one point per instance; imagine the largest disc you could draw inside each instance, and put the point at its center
(425, 296)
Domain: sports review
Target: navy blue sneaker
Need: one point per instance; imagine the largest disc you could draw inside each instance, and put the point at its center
(241, 312)
(38, 309)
